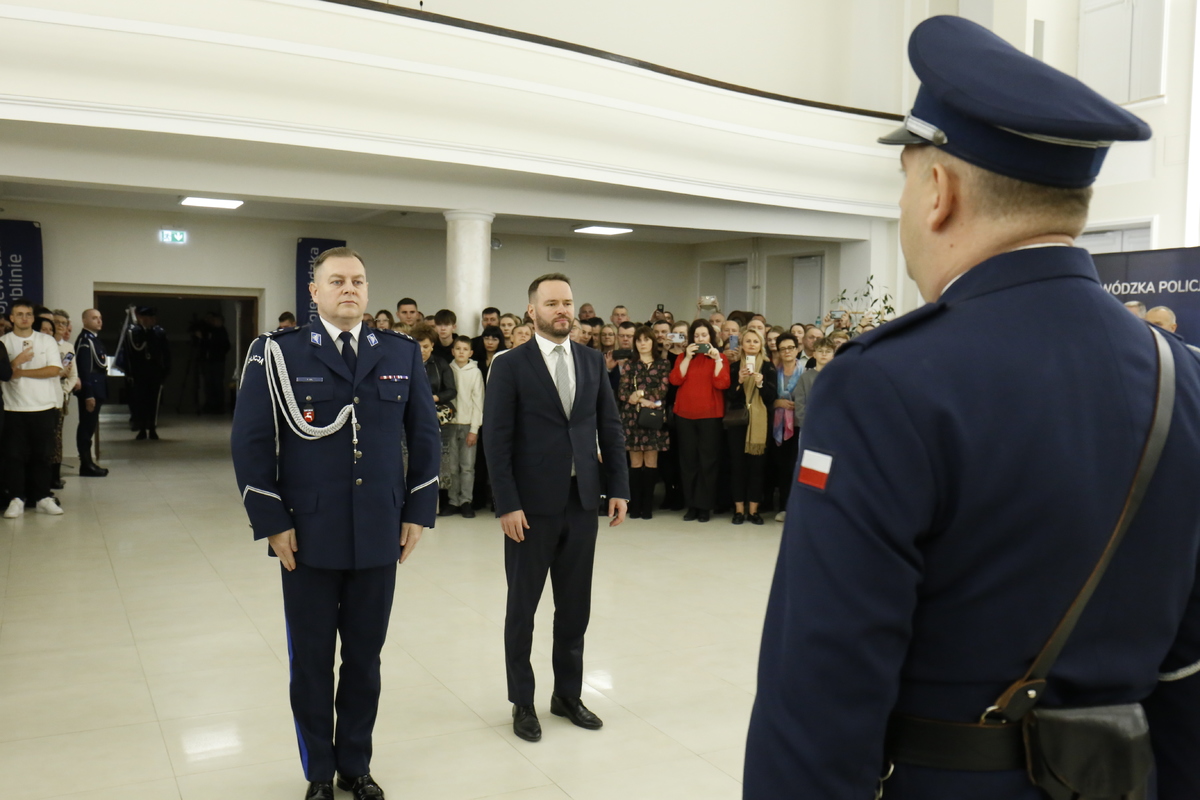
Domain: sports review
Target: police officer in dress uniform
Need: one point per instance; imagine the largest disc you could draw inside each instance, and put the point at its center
(955, 494)
(316, 448)
(92, 364)
(149, 360)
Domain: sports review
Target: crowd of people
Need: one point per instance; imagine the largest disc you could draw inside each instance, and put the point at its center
(711, 407)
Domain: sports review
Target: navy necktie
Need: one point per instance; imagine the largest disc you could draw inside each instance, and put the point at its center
(348, 354)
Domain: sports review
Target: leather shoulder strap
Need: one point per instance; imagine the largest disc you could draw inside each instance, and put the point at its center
(1025, 693)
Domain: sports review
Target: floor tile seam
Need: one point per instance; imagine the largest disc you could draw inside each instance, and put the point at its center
(88, 792)
(76, 733)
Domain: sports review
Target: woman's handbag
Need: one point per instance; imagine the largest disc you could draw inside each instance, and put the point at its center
(736, 417)
(445, 413)
(652, 419)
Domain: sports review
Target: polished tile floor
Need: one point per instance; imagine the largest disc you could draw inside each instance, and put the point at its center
(142, 652)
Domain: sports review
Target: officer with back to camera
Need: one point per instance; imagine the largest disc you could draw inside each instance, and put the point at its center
(316, 448)
(954, 494)
(148, 356)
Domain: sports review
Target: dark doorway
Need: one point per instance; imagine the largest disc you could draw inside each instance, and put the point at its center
(185, 319)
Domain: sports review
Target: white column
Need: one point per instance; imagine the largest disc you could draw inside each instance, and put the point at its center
(468, 266)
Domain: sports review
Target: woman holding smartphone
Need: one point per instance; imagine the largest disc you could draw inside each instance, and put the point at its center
(752, 389)
(644, 384)
(702, 375)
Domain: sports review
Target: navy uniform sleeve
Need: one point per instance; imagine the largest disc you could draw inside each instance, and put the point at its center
(839, 616)
(611, 436)
(254, 449)
(83, 366)
(1174, 711)
(499, 414)
(424, 438)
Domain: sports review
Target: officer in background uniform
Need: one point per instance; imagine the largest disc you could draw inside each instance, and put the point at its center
(316, 449)
(92, 363)
(954, 494)
(149, 360)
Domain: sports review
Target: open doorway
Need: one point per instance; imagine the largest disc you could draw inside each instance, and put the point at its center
(200, 379)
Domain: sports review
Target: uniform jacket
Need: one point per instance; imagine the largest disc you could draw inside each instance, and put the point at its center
(972, 489)
(530, 443)
(92, 362)
(147, 353)
(347, 511)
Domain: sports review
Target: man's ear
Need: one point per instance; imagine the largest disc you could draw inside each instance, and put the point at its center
(312, 291)
(945, 187)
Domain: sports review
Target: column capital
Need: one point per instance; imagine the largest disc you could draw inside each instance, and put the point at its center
(468, 214)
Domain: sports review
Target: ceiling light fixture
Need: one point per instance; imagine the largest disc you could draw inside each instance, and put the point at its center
(210, 202)
(603, 230)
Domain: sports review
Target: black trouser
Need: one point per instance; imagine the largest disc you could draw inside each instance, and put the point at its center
(88, 422)
(319, 605)
(563, 545)
(699, 450)
(745, 470)
(26, 447)
(785, 467)
(143, 401)
(668, 467)
(213, 373)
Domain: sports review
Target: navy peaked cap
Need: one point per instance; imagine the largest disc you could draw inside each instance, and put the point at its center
(986, 102)
(147, 311)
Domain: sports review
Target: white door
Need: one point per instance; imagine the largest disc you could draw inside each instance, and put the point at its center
(737, 288)
(807, 280)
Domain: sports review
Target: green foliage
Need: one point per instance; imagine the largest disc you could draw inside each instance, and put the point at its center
(865, 301)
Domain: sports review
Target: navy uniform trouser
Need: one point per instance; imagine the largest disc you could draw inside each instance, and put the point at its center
(319, 605)
(563, 546)
(88, 420)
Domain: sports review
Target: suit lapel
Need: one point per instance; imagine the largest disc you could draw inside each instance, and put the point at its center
(581, 373)
(327, 350)
(369, 354)
(541, 369)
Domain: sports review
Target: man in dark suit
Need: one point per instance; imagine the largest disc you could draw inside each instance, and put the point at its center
(316, 448)
(92, 364)
(548, 404)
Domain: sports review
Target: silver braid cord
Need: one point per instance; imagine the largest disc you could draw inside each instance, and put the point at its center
(285, 400)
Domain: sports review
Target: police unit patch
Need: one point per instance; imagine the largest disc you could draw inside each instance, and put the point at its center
(814, 469)
(315, 337)
(371, 338)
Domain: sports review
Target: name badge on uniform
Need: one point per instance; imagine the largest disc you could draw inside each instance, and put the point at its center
(310, 380)
(315, 337)
(814, 469)
(309, 415)
(371, 338)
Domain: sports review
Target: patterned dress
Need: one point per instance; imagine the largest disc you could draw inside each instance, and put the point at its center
(654, 380)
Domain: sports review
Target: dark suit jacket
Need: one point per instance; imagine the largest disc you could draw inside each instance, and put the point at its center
(530, 443)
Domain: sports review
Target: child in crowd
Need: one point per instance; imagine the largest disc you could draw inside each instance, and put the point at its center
(463, 433)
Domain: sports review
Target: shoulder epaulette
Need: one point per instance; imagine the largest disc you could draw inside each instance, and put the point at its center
(401, 334)
(899, 325)
(281, 331)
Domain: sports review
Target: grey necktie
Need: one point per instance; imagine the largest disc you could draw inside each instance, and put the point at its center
(562, 379)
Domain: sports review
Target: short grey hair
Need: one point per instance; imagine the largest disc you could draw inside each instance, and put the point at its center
(1170, 314)
(1137, 307)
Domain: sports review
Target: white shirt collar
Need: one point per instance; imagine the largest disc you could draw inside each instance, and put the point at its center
(547, 346)
(335, 332)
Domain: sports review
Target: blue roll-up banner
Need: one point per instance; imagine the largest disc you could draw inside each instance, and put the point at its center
(20, 262)
(1168, 278)
(307, 251)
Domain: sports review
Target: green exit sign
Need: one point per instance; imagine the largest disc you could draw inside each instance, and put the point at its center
(172, 237)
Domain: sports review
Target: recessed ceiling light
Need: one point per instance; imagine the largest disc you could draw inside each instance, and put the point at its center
(603, 230)
(210, 202)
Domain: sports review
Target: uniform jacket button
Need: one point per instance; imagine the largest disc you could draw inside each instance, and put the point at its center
(309, 397)
(356, 399)
(358, 481)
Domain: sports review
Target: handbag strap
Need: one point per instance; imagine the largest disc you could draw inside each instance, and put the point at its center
(1019, 698)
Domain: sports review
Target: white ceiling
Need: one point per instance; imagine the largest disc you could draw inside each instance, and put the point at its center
(265, 208)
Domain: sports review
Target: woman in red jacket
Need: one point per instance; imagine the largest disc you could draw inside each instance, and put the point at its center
(702, 377)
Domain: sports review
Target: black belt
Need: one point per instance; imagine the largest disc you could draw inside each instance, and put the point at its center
(955, 745)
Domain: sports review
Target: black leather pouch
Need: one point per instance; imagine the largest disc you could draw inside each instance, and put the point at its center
(1098, 753)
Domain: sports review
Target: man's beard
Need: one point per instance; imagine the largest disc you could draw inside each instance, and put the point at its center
(547, 328)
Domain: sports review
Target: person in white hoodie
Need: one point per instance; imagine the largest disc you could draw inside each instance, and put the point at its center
(462, 434)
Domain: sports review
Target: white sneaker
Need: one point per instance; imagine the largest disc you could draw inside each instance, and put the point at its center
(16, 507)
(47, 506)
(781, 516)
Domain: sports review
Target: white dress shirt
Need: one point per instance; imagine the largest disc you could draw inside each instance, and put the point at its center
(547, 348)
(335, 332)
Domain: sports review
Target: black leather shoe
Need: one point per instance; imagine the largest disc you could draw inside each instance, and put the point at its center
(690, 515)
(468, 511)
(575, 711)
(447, 510)
(755, 519)
(154, 434)
(319, 790)
(88, 469)
(363, 787)
(704, 516)
(141, 436)
(525, 723)
(738, 518)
